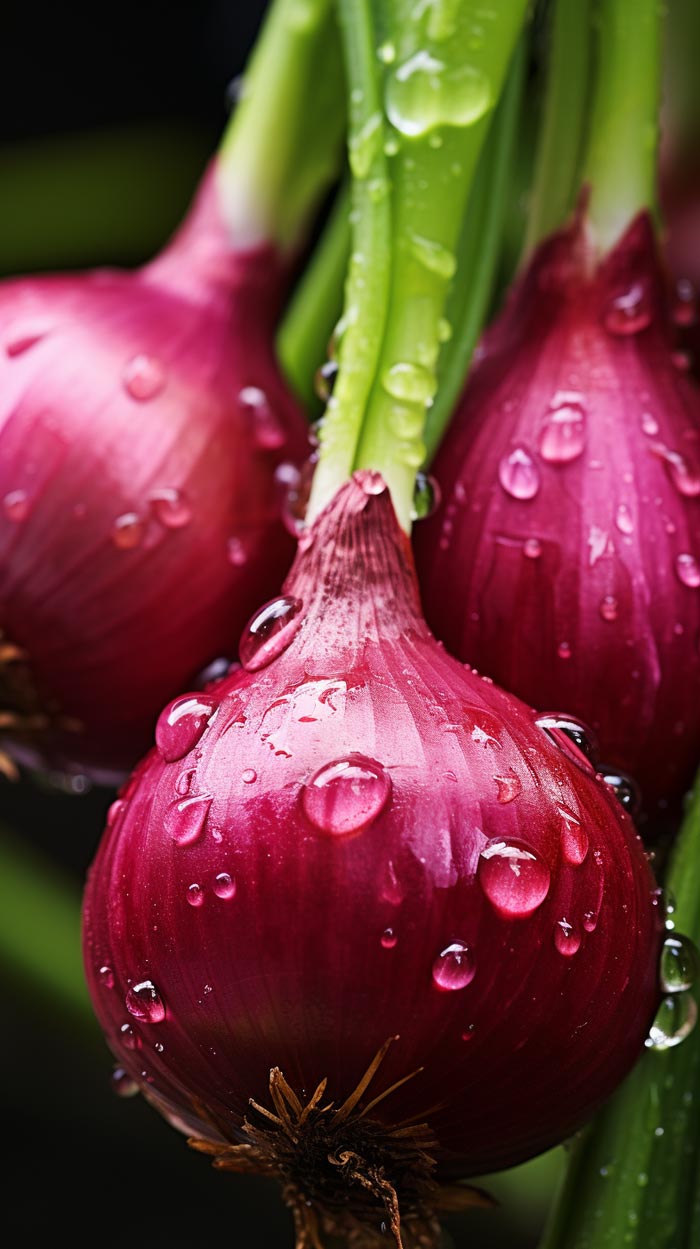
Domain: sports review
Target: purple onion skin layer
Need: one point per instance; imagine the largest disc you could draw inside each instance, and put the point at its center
(564, 560)
(142, 415)
(349, 819)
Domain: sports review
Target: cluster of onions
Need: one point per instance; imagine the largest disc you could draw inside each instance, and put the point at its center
(142, 418)
(362, 919)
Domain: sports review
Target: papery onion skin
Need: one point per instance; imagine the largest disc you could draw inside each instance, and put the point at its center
(142, 415)
(301, 932)
(564, 560)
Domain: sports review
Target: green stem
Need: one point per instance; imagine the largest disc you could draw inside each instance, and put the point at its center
(620, 163)
(443, 67)
(561, 128)
(632, 1179)
(282, 147)
(40, 932)
(470, 296)
(367, 279)
(314, 310)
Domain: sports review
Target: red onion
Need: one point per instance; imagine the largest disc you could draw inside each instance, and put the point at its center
(564, 560)
(355, 847)
(142, 417)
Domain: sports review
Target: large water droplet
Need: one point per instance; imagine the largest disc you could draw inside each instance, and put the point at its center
(122, 1083)
(563, 433)
(679, 966)
(674, 1021)
(424, 93)
(513, 877)
(629, 312)
(433, 256)
(389, 939)
(426, 497)
(608, 608)
(623, 520)
(532, 548)
(195, 894)
(685, 479)
(16, 506)
(623, 786)
(454, 967)
(567, 939)
(269, 632)
(345, 796)
(181, 724)
(409, 382)
(185, 820)
(144, 377)
(171, 507)
(570, 735)
(574, 838)
(688, 570)
(225, 886)
(518, 474)
(127, 531)
(267, 430)
(144, 1002)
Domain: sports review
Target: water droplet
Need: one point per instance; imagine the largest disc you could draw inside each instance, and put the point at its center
(688, 570)
(598, 545)
(518, 474)
(424, 93)
(249, 776)
(195, 895)
(365, 145)
(386, 53)
(454, 967)
(685, 309)
(608, 607)
(650, 425)
(181, 724)
(532, 548)
(129, 1038)
(513, 877)
(269, 632)
(127, 531)
(574, 838)
(433, 256)
(681, 360)
(122, 1083)
(114, 811)
(685, 479)
(389, 939)
(679, 965)
(224, 886)
(237, 552)
(106, 976)
(426, 497)
(144, 1002)
(508, 787)
(144, 377)
(564, 650)
(390, 890)
(185, 820)
(623, 520)
(563, 433)
(16, 506)
(266, 428)
(629, 312)
(170, 507)
(183, 784)
(345, 796)
(324, 380)
(570, 735)
(24, 336)
(566, 938)
(623, 786)
(409, 382)
(674, 1021)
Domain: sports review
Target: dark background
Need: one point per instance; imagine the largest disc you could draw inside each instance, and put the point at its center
(108, 115)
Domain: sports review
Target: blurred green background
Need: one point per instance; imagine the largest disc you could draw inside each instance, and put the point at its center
(107, 118)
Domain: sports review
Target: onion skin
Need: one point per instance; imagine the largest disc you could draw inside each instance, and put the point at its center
(326, 943)
(139, 518)
(582, 592)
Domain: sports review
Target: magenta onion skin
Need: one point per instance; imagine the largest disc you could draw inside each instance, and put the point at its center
(339, 871)
(564, 560)
(142, 416)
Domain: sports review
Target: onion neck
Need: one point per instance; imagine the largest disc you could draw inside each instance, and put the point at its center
(621, 158)
(423, 86)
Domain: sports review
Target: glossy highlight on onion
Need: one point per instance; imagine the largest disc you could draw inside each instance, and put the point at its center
(564, 560)
(409, 925)
(142, 417)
